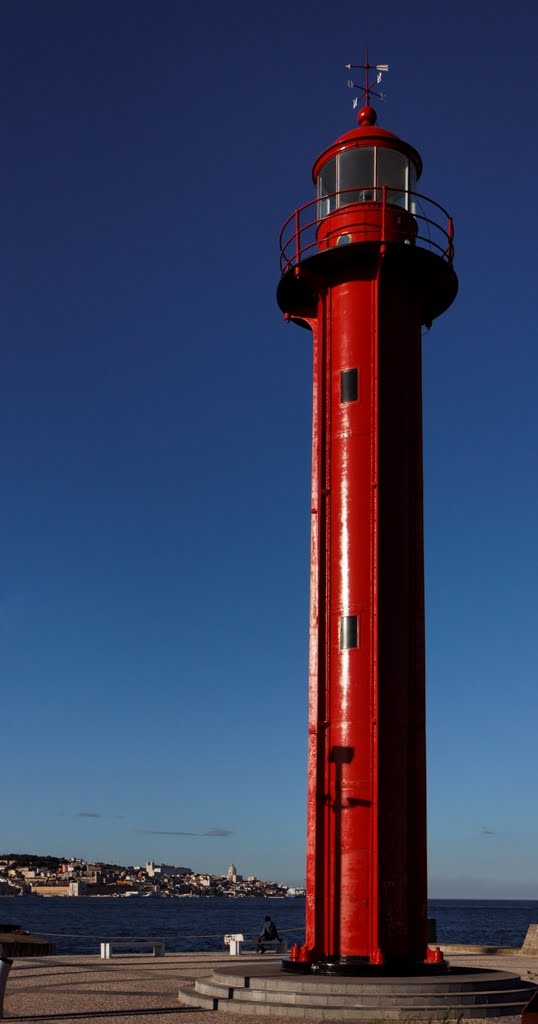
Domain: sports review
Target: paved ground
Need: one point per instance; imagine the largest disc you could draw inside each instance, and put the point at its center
(143, 989)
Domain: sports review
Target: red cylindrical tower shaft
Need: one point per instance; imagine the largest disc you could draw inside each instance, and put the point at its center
(361, 280)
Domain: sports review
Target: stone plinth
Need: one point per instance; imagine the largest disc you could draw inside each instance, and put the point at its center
(264, 989)
(16, 942)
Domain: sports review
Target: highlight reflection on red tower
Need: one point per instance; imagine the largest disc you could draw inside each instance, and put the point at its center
(364, 266)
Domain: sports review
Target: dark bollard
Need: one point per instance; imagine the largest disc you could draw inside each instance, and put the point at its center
(432, 929)
(5, 967)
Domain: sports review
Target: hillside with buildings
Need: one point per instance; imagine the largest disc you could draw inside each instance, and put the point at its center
(33, 875)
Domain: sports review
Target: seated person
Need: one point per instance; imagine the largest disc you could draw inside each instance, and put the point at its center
(268, 934)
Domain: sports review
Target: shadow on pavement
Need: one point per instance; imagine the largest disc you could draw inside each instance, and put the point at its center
(107, 1014)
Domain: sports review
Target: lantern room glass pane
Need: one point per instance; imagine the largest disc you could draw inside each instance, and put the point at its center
(326, 186)
(392, 171)
(356, 168)
(412, 186)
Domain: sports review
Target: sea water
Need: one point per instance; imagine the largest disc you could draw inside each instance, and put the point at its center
(80, 924)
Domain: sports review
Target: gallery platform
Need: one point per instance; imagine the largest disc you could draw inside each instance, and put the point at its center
(264, 989)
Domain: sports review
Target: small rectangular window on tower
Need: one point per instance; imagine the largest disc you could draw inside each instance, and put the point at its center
(349, 385)
(349, 632)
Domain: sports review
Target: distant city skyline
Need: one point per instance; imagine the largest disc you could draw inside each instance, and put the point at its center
(440, 888)
(155, 416)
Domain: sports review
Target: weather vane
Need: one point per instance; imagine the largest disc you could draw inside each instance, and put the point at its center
(366, 89)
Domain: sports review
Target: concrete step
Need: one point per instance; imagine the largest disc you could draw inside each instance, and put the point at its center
(460, 1000)
(189, 996)
(267, 991)
(269, 976)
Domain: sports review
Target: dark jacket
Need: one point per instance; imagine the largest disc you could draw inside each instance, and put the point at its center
(269, 931)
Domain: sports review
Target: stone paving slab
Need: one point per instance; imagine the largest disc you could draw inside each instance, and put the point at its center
(134, 988)
(143, 989)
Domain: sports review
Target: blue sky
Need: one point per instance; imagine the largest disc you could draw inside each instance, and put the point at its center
(155, 426)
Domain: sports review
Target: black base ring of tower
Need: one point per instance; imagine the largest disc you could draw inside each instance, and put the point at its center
(357, 966)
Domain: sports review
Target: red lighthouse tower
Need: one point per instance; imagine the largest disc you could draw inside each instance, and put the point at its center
(364, 266)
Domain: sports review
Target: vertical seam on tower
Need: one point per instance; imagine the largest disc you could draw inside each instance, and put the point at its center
(374, 597)
(329, 923)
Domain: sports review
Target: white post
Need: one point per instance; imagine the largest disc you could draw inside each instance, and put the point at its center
(234, 942)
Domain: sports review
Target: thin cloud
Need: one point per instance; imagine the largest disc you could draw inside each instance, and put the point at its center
(162, 832)
(212, 833)
(487, 832)
(88, 814)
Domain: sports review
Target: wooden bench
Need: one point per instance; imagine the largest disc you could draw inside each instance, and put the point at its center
(235, 942)
(106, 947)
(281, 946)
